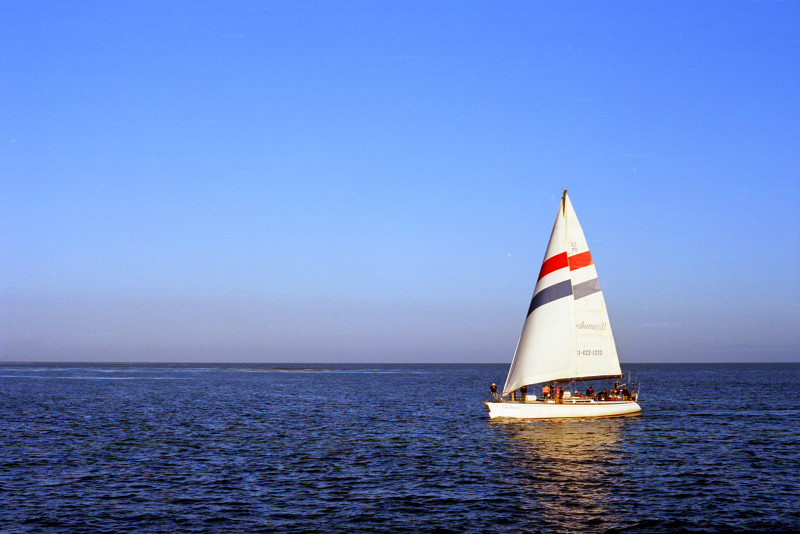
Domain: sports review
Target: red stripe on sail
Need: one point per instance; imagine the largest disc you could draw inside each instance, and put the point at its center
(580, 260)
(554, 263)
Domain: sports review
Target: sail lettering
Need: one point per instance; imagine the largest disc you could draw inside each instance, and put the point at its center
(583, 325)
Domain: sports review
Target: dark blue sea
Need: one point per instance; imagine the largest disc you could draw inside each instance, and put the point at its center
(389, 448)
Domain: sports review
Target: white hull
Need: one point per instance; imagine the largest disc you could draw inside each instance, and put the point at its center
(552, 410)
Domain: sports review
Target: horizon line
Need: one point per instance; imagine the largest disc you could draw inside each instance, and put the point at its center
(82, 362)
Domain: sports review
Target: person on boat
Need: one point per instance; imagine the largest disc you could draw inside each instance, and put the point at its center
(559, 394)
(615, 391)
(546, 391)
(626, 395)
(493, 389)
(590, 392)
(603, 395)
(523, 392)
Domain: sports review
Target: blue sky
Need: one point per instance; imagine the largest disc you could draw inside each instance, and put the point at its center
(376, 181)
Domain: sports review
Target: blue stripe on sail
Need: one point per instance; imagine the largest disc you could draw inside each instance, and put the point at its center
(549, 294)
(587, 288)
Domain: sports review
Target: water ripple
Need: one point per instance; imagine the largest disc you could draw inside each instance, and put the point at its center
(386, 449)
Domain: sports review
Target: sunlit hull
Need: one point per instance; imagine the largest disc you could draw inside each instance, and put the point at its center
(552, 410)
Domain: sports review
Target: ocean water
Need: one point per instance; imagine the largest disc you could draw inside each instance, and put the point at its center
(389, 448)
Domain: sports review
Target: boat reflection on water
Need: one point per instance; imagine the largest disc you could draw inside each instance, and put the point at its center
(573, 470)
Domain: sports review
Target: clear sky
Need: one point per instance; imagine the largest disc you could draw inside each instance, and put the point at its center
(376, 181)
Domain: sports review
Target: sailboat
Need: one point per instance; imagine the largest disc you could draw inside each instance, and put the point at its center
(566, 338)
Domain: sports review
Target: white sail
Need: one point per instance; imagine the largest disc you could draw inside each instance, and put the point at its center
(567, 333)
(595, 350)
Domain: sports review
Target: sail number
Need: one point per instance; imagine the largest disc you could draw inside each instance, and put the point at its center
(593, 352)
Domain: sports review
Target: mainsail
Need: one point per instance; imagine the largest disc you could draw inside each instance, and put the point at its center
(567, 333)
